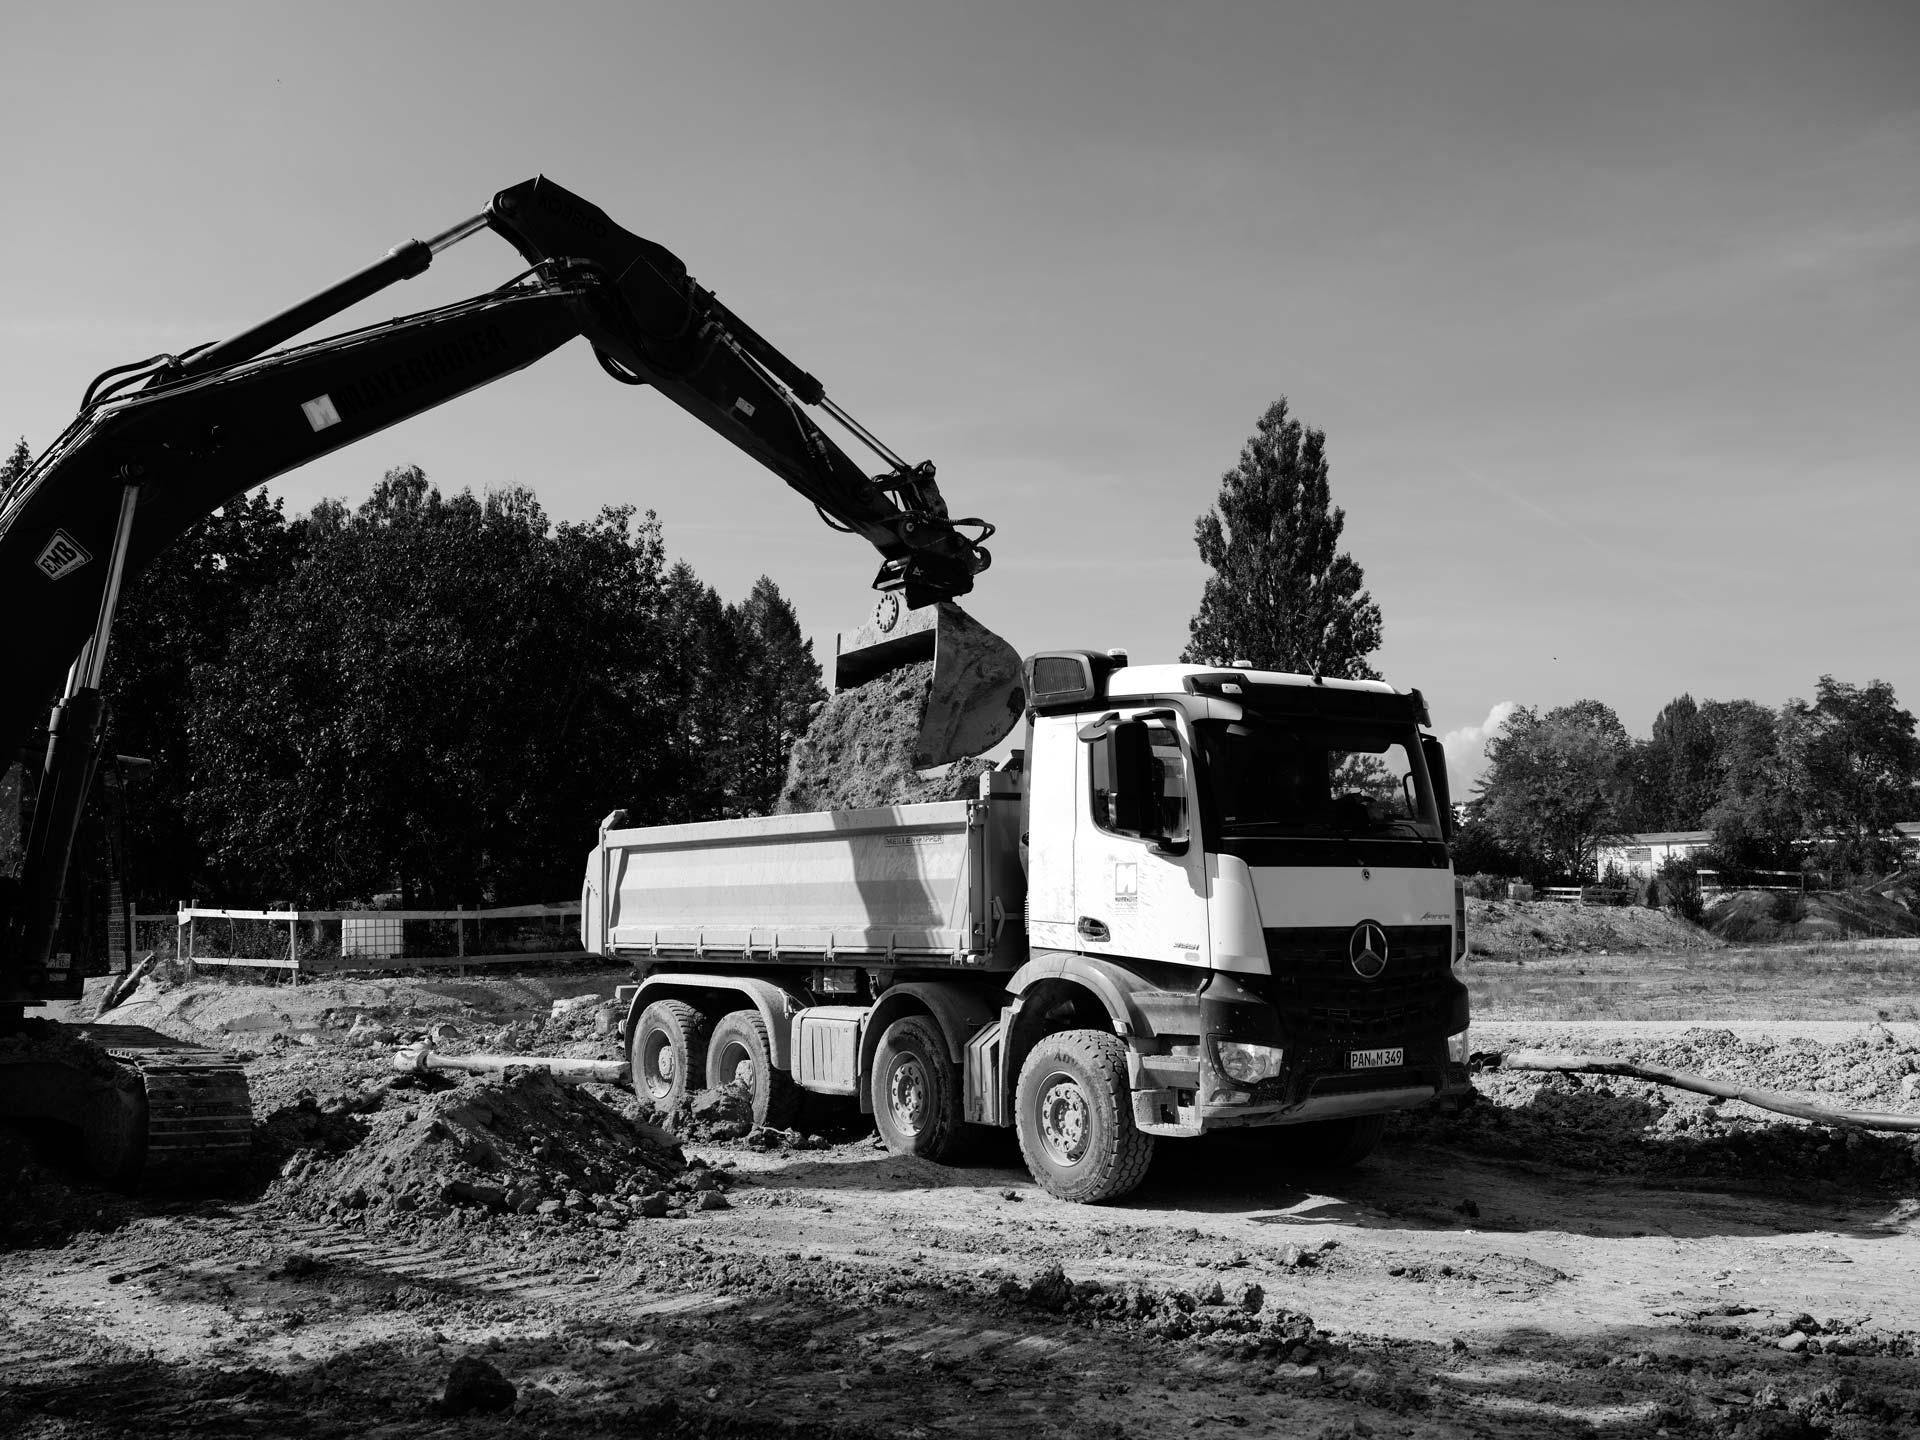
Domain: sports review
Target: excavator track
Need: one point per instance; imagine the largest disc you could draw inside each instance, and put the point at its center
(199, 1112)
(149, 1112)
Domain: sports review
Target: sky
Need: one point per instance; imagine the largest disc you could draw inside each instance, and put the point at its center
(1611, 314)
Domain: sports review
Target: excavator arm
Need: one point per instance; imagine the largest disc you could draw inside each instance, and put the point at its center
(160, 444)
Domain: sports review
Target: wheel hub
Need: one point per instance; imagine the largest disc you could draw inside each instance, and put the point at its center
(1064, 1127)
(907, 1094)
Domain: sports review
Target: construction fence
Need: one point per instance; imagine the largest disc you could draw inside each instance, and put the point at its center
(306, 943)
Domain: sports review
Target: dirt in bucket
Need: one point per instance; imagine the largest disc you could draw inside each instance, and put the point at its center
(858, 753)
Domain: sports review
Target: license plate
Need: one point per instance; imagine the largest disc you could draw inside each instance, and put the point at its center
(1375, 1059)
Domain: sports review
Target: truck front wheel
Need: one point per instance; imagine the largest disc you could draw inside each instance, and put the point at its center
(741, 1054)
(1074, 1117)
(668, 1052)
(916, 1090)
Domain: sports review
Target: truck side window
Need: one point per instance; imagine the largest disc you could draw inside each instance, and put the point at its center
(1169, 804)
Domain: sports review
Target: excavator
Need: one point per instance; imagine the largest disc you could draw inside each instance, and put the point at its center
(164, 441)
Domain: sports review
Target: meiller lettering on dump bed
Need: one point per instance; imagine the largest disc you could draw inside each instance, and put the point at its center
(1198, 898)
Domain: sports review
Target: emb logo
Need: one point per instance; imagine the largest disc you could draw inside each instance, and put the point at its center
(59, 555)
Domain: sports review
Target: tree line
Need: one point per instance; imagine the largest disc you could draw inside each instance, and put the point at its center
(433, 695)
(1814, 783)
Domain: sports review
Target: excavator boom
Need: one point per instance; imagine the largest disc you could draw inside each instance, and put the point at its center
(159, 444)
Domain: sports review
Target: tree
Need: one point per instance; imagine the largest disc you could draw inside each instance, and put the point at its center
(16, 463)
(1554, 786)
(777, 687)
(1758, 808)
(1857, 751)
(1282, 593)
(175, 617)
(444, 698)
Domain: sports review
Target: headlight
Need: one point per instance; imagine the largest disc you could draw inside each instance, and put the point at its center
(1457, 1047)
(1247, 1064)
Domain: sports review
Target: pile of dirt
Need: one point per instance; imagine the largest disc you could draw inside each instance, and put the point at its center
(522, 1145)
(1509, 929)
(858, 753)
(1759, 916)
(1620, 1126)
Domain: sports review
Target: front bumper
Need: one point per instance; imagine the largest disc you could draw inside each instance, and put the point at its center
(1182, 1093)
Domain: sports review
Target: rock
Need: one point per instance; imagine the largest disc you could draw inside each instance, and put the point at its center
(1051, 1290)
(1793, 1343)
(712, 1200)
(653, 1206)
(1250, 1298)
(1210, 1294)
(467, 1192)
(549, 1207)
(1910, 1087)
(474, 1386)
(367, 1033)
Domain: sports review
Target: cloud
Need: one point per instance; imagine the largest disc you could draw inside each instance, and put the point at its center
(1466, 749)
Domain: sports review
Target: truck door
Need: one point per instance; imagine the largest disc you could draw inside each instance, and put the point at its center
(1139, 869)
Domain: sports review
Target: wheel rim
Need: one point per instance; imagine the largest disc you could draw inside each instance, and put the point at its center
(907, 1094)
(659, 1066)
(1065, 1119)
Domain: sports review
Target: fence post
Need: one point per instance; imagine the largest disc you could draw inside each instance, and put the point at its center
(293, 945)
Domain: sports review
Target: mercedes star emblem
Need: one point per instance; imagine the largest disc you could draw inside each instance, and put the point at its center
(1367, 949)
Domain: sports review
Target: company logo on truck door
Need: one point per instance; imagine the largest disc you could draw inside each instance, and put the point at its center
(59, 555)
(1367, 950)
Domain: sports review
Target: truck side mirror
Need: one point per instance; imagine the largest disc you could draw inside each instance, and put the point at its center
(1436, 755)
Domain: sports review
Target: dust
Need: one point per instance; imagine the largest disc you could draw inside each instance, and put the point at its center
(858, 753)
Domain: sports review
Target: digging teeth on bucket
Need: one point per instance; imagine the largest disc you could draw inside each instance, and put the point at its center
(976, 695)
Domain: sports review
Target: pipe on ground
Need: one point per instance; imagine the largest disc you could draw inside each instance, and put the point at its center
(1680, 1080)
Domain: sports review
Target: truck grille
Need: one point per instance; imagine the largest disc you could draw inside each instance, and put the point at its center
(1326, 1005)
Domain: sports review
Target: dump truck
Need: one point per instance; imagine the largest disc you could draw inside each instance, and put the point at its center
(1198, 898)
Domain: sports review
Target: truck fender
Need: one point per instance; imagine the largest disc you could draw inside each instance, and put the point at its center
(1114, 985)
(777, 1006)
(959, 1010)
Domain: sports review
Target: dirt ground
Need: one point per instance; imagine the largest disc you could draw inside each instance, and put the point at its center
(1569, 1257)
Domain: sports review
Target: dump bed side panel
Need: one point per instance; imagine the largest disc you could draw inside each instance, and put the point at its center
(857, 885)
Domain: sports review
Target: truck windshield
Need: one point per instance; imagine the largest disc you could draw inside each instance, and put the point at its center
(1286, 777)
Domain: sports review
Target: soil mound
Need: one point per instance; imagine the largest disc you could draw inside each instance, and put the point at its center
(1505, 929)
(523, 1145)
(1755, 916)
(858, 753)
(1613, 1125)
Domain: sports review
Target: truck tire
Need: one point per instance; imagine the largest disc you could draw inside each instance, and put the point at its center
(740, 1054)
(668, 1052)
(1074, 1116)
(1329, 1144)
(915, 1090)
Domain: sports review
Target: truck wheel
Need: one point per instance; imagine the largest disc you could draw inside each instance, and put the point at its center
(668, 1052)
(1074, 1116)
(916, 1090)
(1332, 1144)
(741, 1054)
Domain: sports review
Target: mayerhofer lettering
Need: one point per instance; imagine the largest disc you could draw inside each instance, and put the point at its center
(61, 555)
(1375, 1059)
(383, 387)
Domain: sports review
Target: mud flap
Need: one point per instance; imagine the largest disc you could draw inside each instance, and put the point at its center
(977, 694)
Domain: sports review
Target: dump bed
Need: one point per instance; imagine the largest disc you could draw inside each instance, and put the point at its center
(906, 885)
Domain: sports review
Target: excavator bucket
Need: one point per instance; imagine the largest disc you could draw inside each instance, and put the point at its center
(976, 695)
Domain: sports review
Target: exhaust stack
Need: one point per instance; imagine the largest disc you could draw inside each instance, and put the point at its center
(976, 695)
